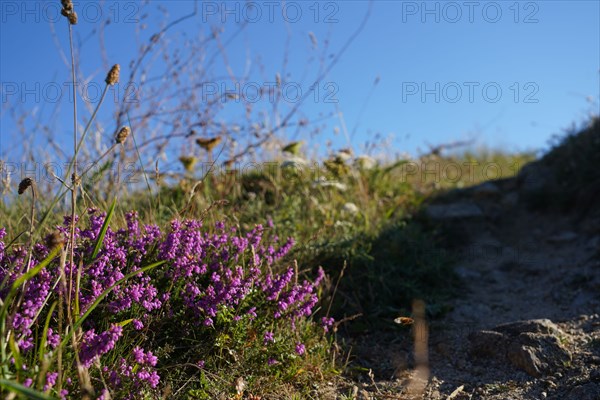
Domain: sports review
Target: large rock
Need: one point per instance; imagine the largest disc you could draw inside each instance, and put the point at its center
(533, 346)
(459, 210)
(587, 391)
(534, 178)
(486, 191)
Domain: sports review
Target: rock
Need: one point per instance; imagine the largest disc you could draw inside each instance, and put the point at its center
(486, 190)
(593, 243)
(563, 237)
(510, 199)
(532, 346)
(544, 326)
(537, 187)
(595, 360)
(587, 391)
(453, 211)
(467, 273)
(488, 344)
(537, 354)
(534, 178)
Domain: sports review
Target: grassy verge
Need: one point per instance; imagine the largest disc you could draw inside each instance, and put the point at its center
(227, 284)
(348, 219)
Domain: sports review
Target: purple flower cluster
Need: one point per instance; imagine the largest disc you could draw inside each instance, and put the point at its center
(293, 300)
(327, 323)
(33, 294)
(268, 338)
(93, 346)
(134, 376)
(207, 278)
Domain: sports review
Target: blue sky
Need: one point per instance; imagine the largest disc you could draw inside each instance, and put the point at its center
(507, 74)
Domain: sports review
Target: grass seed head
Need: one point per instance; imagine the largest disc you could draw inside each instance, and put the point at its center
(75, 179)
(67, 5)
(188, 162)
(72, 17)
(208, 144)
(53, 240)
(293, 148)
(25, 184)
(68, 11)
(113, 75)
(122, 134)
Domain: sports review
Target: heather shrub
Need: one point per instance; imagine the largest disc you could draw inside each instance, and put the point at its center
(141, 302)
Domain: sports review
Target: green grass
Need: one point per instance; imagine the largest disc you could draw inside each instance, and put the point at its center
(358, 222)
(377, 256)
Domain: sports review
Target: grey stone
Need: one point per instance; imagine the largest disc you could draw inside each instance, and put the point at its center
(510, 199)
(533, 178)
(563, 237)
(532, 346)
(486, 190)
(544, 326)
(488, 344)
(587, 391)
(537, 354)
(453, 211)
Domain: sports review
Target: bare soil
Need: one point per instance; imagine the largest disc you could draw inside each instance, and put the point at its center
(517, 264)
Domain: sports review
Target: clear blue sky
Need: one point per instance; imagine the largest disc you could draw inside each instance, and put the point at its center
(439, 65)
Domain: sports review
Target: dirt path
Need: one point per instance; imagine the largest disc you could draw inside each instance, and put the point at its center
(536, 272)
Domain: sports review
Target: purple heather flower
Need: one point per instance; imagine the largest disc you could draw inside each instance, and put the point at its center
(53, 338)
(268, 338)
(212, 272)
(138, 355)
(300, 349)
(149, 376)
(272, 361)
(327, 323)
(137, 324)
(96, 345)
(50, 380)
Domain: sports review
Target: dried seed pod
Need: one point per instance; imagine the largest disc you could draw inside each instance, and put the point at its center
(188, 162)
(113, 75)
(123, 134)
(25, 184)
(53, 240)
(68, 11)
(67, 5)
(72, 17)
(75, 179)
(293, 148)
(208, 144)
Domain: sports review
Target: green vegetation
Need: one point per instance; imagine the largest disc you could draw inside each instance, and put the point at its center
(233, 283)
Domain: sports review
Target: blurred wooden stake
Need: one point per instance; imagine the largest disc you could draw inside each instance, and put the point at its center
(418, 382)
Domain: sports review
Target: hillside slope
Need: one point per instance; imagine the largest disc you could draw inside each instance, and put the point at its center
(527, 325)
